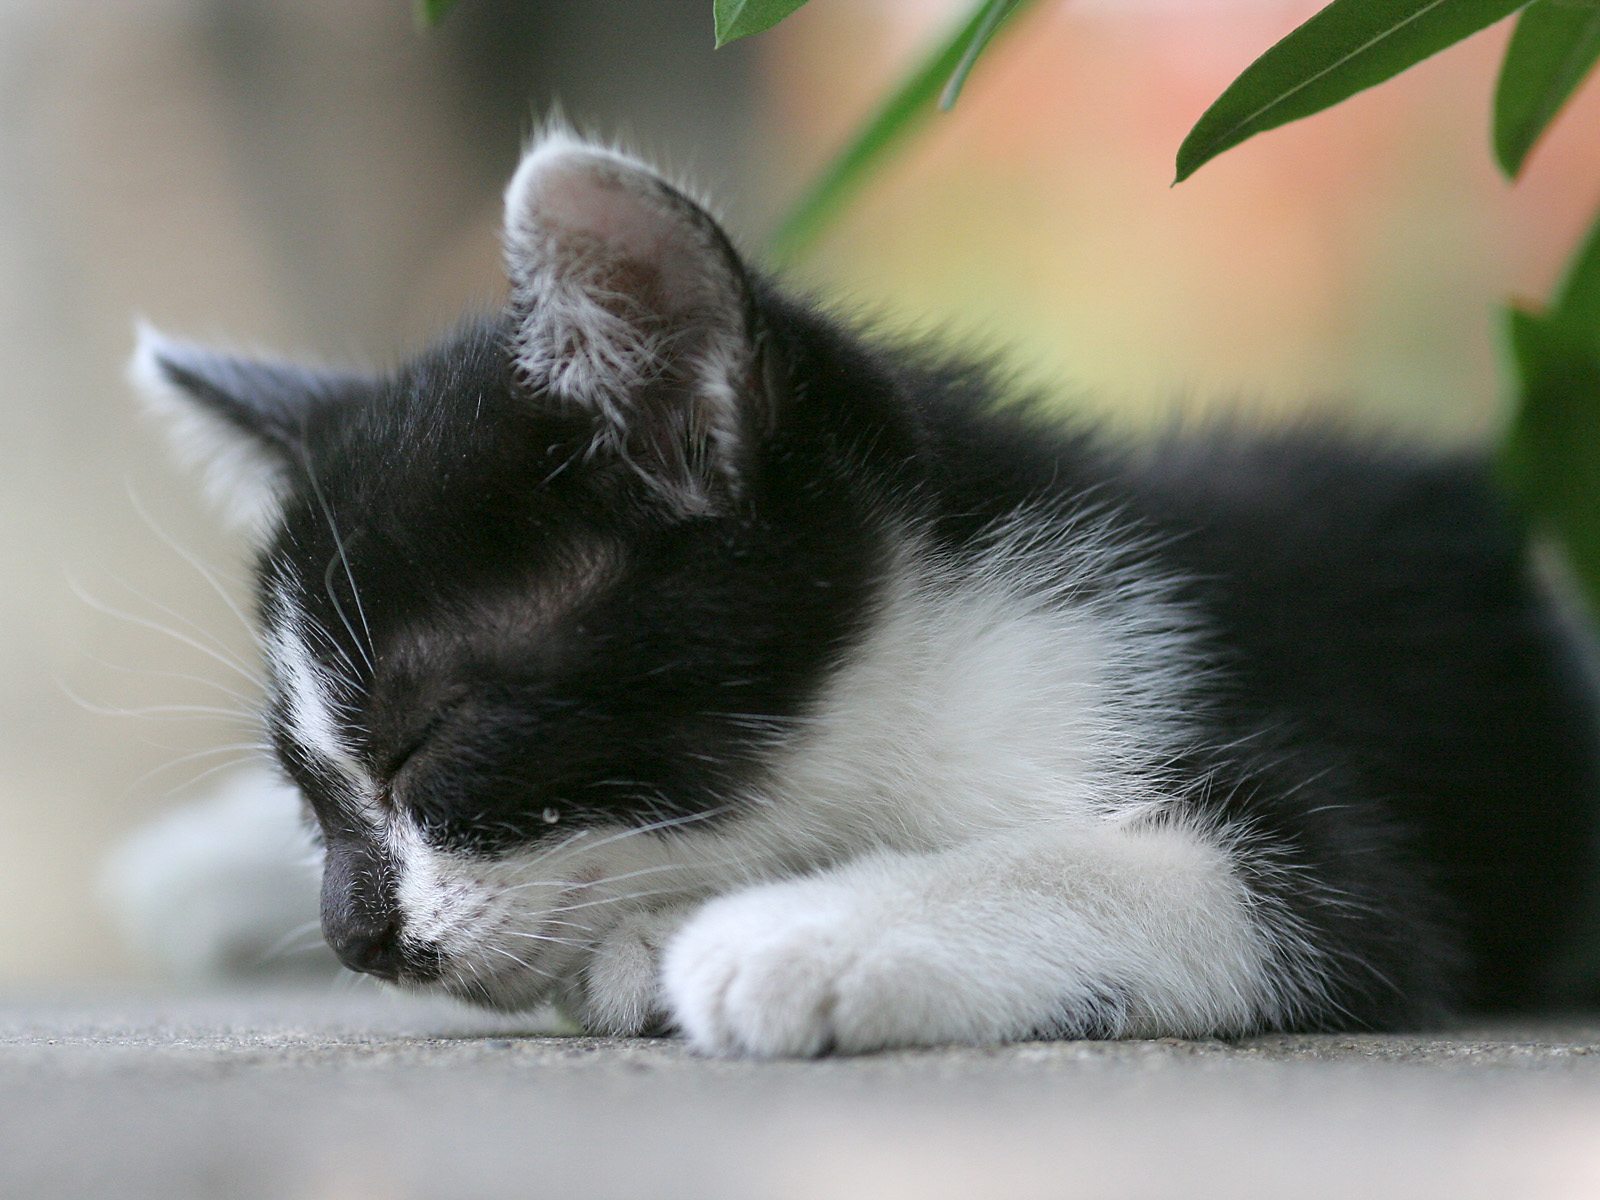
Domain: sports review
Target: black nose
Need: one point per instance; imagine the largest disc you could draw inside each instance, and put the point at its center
(359, 916)
(370, 949)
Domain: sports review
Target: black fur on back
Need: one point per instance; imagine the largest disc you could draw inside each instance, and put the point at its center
(1402, 714)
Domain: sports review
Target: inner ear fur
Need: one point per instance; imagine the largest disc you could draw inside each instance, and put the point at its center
(630, 301)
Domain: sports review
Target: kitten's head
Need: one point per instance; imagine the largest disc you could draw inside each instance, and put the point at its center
(535, 605)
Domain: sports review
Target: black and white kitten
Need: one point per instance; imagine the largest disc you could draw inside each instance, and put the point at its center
(659, 646)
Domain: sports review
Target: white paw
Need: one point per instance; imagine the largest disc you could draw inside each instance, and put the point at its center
(619, 993)
(810, 967)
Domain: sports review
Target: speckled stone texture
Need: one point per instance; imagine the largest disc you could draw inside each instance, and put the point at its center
(359, 1095)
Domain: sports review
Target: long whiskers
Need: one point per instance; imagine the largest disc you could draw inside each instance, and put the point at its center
(626, 898)
(228, 660)
(188, 556)
(607, 880)
(342, 556)
(180, 711)
(671, 822)
(249, 702)
(553, 939)
(298, 940)
(240, 752)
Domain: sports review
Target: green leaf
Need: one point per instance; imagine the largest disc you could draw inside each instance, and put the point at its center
(897, 117)
(1347, 47)
(431, 12)
(735, 19)
(1578, 298)
(1550, 458)
(1554, 47)
(989, 21)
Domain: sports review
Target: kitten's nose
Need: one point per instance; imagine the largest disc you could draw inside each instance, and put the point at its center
(372, 950)
(359, 915)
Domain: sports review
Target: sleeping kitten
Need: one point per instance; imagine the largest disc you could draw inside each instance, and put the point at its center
(659, 646)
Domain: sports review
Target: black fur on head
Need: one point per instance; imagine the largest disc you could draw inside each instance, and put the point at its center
(579, 563)
(546, 564)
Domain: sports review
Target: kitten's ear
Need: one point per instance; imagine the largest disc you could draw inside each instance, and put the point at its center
(239, 419)
(630, 302)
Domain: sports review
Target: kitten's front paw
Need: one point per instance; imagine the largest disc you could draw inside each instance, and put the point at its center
(802, 969)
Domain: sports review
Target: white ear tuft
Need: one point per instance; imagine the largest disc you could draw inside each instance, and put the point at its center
(243, 474)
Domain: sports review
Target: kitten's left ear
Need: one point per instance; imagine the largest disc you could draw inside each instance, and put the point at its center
(241, 420)
(631, 303)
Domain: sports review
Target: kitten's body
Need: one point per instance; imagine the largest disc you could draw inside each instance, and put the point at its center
(661, 647)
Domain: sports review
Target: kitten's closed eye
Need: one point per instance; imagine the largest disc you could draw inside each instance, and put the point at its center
(397, 760)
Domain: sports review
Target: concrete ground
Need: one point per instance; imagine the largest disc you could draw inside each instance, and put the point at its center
(365, 1096)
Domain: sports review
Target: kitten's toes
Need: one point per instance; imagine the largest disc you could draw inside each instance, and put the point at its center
(774, 972)
(812, 967)
(755, 975)
(765, 1004)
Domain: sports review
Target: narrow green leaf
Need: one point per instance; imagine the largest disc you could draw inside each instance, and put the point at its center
(1550, 459)
(1553, 48)
(735, 19)
(994, 15)
(1578, 299)
(900, 113)
(1349, 46)
(431, 12)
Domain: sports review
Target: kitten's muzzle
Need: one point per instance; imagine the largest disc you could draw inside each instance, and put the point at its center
(360, 919)
(379, 950)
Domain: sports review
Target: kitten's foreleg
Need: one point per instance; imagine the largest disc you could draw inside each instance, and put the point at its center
(1100, 931)
(618, 990)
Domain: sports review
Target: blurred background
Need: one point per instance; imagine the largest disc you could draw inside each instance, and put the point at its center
(323, 179)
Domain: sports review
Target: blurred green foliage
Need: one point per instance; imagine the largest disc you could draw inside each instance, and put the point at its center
(431, 12)
(932, 84)
(1347, 47)
(1555, 45)
(1549, 459)
(734, 19)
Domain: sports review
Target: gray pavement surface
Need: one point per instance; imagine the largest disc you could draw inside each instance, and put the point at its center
(359, 1095)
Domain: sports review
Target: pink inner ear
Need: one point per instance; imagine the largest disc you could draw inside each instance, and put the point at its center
(619, 283)
(590, 200)
(584, 212)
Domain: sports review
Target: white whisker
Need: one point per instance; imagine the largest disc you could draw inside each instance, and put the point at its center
(226, 660)
(343, 557)
(193, 560)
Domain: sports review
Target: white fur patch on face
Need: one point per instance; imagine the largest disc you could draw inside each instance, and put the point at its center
(969, 840)
(986, 700)
(240, 475)
(511, 931)
(310, 697)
